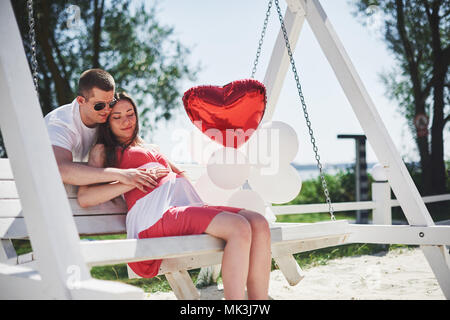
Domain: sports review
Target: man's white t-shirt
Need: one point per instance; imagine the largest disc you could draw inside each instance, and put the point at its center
(67, 131)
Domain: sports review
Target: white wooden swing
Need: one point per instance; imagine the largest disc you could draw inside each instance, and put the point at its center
(35, 204)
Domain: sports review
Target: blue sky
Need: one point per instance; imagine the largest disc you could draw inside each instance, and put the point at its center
(223, 37)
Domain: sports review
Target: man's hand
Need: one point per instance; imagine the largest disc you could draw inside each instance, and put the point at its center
(157, 173)
(138, 178)
(142, 178)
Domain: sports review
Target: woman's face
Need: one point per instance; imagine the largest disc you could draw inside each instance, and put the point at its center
(122, 121)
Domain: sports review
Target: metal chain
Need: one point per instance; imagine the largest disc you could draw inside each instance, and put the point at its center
(263, 33)
(305, 112)
(34, 64)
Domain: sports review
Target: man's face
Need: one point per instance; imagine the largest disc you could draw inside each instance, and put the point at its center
(96, 108)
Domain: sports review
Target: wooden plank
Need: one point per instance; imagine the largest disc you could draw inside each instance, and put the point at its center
(94, 289)
(15, 228)
(382, 213)
(303, 245)
(322, 207)
(294, 18)
(48, 215)
(367, 114)
(21, 282)
(411, 235)
(131, 250)
(118, 206)
(5, 170)
(427, 199)
(7, 252)
(11, 208)
(192, 262)
(182, 286)
(305, 231)
(8, 190)
(377, 134)
(290, 269)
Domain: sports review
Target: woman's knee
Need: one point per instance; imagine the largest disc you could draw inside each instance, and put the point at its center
(257, 222)
(241, 229)
(230, 226)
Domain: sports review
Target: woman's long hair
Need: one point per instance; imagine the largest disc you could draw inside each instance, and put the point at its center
(109, 140)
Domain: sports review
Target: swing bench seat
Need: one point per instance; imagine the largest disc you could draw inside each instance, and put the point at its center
(179, 253)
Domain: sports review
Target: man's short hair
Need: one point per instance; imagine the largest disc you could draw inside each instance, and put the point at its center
(94, 78)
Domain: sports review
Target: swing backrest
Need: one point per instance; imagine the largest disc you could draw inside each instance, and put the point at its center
(103, 219)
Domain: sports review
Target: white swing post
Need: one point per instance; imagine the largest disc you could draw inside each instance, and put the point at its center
(372, 124)
(63, 273)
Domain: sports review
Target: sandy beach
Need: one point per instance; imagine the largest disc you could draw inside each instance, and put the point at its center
(401, 274)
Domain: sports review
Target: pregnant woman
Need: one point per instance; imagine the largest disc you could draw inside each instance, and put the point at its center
(172, 207)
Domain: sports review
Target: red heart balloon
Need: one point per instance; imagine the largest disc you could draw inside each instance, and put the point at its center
(229, 114)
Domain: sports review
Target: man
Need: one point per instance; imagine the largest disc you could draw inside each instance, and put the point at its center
(73, 130)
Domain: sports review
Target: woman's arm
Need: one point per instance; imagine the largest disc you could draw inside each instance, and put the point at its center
(172, 167)
(92, 195)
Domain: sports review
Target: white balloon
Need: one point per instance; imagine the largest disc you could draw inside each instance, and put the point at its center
(247, 199)
(274, 143)
(378, 172)
(210, 193)
(228, 168)
(288, 141)
(281, 187)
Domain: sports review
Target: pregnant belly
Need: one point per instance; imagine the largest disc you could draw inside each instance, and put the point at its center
(134, 195)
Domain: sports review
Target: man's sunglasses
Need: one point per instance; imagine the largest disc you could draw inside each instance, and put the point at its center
(101, 105)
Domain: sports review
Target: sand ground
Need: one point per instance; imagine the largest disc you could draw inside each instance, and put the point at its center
(401, 274)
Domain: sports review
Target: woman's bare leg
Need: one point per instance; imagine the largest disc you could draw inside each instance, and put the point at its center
(237, 232)
(260, 256)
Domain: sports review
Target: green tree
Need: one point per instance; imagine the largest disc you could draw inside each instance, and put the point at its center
(123, 37)
(417, 32)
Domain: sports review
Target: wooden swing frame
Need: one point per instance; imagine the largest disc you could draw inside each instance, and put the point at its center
(48, 215)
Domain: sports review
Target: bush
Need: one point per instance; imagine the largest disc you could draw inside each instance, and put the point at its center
(341, 187)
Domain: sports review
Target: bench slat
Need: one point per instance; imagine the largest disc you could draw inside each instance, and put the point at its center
(15, 228)
(292, 231)
(11, 208)
(104, 252)
(5, 170)
(120, 251)
(8, 190)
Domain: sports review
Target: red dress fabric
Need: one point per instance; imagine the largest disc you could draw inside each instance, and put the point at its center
(134, 157)
(176, 221)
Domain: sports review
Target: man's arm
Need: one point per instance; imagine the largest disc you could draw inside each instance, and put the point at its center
(79, 174)
(91, 195)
